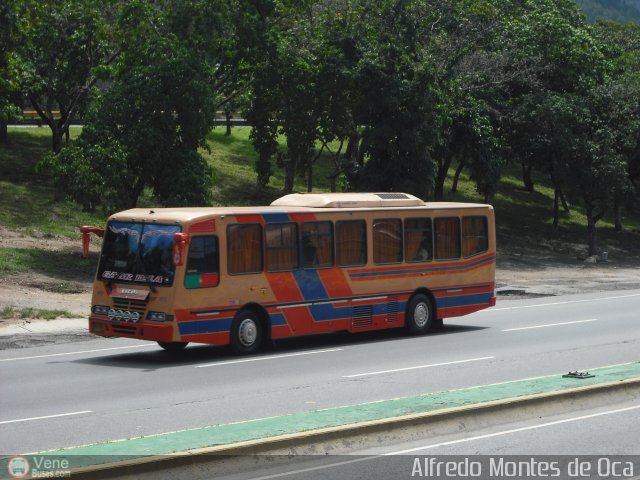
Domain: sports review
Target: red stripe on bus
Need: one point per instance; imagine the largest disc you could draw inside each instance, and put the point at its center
(284, 287)
(302, 217)
(335, 282)
(257, 218)
(202, 227)
(216, 338)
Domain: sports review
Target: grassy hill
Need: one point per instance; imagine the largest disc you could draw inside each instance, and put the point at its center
(27, 207)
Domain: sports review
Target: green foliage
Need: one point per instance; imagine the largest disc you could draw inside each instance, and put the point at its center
(90, 173)
(394, 94)
(9, 88)
(65, 46)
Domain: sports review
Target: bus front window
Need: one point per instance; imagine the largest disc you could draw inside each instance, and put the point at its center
(139, 253)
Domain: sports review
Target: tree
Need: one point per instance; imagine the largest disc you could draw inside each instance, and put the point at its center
(66, 46)
(9, 87)
(175, 69)
(621, 44)
(300, 87)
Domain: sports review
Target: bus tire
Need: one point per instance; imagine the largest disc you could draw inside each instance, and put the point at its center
(419, 314)
(173, 347)
(246, 332)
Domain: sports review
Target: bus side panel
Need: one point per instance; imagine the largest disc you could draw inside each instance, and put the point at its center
(458, 287)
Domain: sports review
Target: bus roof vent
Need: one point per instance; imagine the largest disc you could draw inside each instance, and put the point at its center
(393, 196)
(348, 200)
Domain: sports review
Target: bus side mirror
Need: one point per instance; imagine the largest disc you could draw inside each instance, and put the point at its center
(86, 234)
(180, 242)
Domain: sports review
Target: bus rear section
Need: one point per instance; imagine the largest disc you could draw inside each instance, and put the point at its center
(242, 276)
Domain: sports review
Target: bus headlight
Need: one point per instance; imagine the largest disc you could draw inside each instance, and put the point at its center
(100, 309)
(156, 316)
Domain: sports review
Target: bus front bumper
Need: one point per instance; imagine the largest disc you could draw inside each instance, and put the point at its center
(143, 331)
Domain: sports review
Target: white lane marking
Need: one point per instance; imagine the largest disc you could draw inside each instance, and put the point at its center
(77, 353)
(417, 367)
(550, 325)
(45, 417)
(515, 430)
(271, 357)
(494, 309)
(452, 442)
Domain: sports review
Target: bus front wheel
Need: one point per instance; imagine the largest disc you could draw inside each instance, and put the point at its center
(246, 332)
(419, 314)
(173, 346)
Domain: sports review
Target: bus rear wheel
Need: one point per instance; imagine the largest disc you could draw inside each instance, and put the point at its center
(246, 332)
(173, 346)
(419, 314)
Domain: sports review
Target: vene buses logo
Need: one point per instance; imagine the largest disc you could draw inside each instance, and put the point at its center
(18, 467)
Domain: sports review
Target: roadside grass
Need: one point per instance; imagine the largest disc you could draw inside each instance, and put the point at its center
(66, 265)
(7, 313)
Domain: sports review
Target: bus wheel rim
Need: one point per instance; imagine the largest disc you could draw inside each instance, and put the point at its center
(421, 315)
(247, 332)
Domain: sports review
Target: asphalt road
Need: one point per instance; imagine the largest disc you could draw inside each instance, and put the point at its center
(85, 392)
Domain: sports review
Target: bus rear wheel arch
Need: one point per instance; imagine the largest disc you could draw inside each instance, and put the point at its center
(247, 332)
(420, 314)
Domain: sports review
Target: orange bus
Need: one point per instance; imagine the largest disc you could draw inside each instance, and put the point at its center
(308, 263)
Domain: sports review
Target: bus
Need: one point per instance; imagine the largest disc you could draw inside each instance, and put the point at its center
(309, 263)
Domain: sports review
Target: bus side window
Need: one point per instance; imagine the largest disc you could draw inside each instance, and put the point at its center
(317, 244)
(244, 248)
(474, 236)
(351, 243)
(447, 232)
(387, 240)
(418, 237)
(282, 246)
(203, 263)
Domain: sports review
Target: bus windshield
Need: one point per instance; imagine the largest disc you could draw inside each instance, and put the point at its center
(139, 253)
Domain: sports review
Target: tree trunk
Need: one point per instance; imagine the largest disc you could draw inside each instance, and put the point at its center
(617, 213)
(310, 178)
(456, 176)
(4, 133)
(592, 233)
(228, 118)
(526, 177)
(563, 199)
(556, 209)
(290, 176)
(592, 236)
(441, 176)
(56, 141)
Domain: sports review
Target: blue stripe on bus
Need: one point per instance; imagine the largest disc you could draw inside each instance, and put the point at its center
(328, 312)
(204, 326)
(463, 300)
(277, 319)
(310, 285)
(429, 269)
(275, 217)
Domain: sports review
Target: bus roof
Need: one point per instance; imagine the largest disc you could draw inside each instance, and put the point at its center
(297, 202)
(348, 200)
